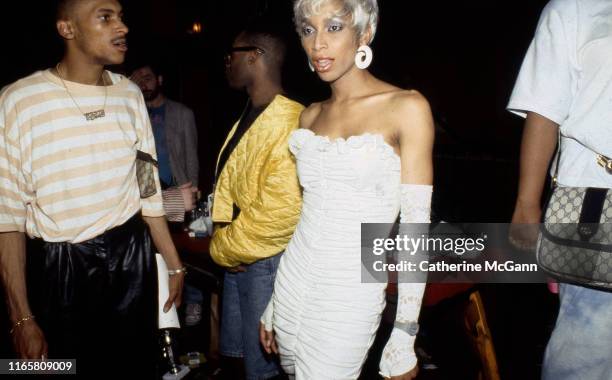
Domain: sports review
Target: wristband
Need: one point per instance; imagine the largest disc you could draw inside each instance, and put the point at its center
(20, 322)
(172, 272)
(412, 328)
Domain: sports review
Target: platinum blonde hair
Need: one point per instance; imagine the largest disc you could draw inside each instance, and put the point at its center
(363, 13)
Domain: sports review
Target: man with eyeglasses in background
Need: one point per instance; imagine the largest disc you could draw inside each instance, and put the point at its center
(257, 198)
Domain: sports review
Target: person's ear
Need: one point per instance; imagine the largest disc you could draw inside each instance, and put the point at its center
(252, 58)
(160, 80)
(366, 37)
(66, 29)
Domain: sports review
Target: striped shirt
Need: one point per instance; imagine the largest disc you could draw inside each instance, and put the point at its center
(63, 178)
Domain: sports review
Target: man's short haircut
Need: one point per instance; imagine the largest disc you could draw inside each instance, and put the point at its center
(155, 66)
(64, 9)
(259, 33)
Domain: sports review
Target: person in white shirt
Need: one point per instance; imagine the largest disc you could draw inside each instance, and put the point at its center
(565, 83)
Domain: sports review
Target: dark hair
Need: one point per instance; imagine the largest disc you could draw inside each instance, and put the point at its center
(136, 64)
(63, 9)
(262, 33)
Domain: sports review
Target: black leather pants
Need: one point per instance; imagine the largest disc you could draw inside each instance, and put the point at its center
(97, 302)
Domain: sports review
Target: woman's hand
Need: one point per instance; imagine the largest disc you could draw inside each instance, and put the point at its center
(267, 339)
(407, 376)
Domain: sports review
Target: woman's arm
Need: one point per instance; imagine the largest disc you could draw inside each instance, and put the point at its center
(413, 122)
(412, 119)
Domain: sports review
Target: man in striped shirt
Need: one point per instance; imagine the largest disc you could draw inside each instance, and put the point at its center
(68, 142)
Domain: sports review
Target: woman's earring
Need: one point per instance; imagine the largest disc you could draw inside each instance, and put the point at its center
(310, 66)
(364, 57)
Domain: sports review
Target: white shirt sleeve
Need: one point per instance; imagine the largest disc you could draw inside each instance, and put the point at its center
(12, 180)
(544, 84)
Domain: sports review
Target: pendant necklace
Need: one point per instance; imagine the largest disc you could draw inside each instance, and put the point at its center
(89, 116)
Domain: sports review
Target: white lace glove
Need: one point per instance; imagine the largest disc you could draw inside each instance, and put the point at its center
(398, 357)
(266, 317)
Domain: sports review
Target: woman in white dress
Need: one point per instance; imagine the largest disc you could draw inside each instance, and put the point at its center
(362, 155)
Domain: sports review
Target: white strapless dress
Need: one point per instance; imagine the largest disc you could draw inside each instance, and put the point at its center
(325, 318)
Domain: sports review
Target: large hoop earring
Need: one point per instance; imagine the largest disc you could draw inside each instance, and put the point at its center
(310, 66)
(364, 57)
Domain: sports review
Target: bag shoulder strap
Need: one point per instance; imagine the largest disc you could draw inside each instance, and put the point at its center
(146, 157)
(558, 160)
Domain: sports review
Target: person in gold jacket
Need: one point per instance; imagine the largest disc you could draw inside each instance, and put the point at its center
(257, 197)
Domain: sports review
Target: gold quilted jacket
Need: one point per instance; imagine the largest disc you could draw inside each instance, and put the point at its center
(259, 177)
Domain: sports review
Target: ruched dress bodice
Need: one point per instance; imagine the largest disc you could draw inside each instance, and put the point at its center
(325, 318)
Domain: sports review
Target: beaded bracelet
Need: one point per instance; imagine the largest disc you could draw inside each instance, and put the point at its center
(412, 328)
(21, 321)
(172, 272)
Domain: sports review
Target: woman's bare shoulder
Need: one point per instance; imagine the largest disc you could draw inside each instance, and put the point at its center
(408, 112)
(408, 103)
(395, 98)
(409, 100)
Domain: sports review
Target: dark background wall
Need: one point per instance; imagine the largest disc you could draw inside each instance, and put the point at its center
(463, 56)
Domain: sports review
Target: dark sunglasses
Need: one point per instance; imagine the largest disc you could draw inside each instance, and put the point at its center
(228, 53)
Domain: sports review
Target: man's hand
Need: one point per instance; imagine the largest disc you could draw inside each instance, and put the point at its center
(29, 341)
(175, 291)
(412, 374)
(163, 242)
(188, 192)
(524, 230)
(236, 269)
(267, 339)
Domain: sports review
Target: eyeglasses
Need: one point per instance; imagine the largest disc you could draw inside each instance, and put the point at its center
(228, 53)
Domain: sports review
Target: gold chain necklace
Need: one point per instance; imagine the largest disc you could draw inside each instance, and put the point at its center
(89, 116)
